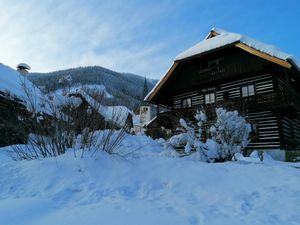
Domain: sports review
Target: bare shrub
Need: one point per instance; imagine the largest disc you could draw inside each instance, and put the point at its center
(72, 121)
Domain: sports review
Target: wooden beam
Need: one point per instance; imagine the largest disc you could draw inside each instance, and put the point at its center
(212, 34)
(161, 82)
(263, 55)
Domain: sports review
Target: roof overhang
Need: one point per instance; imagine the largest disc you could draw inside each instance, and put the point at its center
(263, 55)
(160, 83)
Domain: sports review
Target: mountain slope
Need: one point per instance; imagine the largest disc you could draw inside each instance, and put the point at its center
(126, 88)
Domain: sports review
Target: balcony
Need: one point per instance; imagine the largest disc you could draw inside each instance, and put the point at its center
(282, 103)
(278, 100)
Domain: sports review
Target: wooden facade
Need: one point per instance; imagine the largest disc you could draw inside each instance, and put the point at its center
(234, 77)
(14, 127)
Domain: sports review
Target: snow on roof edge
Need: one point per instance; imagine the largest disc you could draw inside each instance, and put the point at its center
(226, 38)
(238, 38)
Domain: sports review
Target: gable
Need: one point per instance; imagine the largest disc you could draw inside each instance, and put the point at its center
(188, 74)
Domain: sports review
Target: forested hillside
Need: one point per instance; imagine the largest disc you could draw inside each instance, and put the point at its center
(126, 88)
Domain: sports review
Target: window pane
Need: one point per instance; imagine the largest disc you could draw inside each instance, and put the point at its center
(186, 103)
(183, 103)
(189, 102)
(250, 90)
(244, 91)
(212, 98)
(207, 98)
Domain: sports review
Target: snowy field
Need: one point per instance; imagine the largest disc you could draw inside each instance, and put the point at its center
(147, 188)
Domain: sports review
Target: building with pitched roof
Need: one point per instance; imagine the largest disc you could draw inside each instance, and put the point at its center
(235, 72)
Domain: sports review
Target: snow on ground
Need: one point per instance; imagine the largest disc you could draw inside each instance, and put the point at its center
(147, 188)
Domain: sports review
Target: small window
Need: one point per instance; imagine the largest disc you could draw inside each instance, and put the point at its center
(248, 90)
(216, 66)
(210, 98)
(187, 103)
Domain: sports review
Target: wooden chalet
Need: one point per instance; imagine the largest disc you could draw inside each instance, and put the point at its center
(237, 73)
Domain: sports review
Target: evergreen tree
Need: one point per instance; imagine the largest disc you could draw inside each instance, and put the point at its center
(145, 89)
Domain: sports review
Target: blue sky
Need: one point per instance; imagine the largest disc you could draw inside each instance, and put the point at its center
(137, 36)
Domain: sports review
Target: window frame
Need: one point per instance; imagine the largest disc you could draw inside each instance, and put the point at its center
(209, 98)
(185, 101)
(248, 90)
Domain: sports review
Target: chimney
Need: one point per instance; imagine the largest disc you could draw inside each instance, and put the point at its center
(23, 68)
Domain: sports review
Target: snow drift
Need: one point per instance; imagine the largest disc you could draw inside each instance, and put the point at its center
(147, 188)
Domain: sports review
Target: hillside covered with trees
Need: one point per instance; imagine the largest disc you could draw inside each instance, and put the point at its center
(126, 88)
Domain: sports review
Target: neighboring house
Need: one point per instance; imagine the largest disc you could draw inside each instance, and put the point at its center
(82, 113)
(14, 113)
(88, 112)
(237, 73)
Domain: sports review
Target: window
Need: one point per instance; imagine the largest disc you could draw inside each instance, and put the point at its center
(216, 66)
(186, 103)
(248, 90)
(210, 98)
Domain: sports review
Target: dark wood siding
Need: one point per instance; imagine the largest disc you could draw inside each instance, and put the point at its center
(13, 128)
(267, 128)
(196, 72)
(291, 131)
(263, 84)
(274, 109)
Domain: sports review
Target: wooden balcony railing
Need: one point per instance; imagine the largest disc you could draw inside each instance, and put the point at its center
(243, 105)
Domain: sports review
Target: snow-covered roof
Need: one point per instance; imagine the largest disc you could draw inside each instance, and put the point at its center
(13, 85)
(224, 38)
(11, 82)
(116, 114)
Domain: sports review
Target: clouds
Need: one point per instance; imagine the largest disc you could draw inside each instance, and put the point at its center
(136, 36)
(55, 35)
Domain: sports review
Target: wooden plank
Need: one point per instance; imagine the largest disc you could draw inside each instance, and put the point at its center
(264, 55)
(245, 81)
(212, 34)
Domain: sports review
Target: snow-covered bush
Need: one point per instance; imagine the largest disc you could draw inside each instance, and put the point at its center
(231, 131)
(229, 135)
(190, 137)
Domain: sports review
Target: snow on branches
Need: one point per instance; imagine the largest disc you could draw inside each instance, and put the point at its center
(231, 132)
(228, 135)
